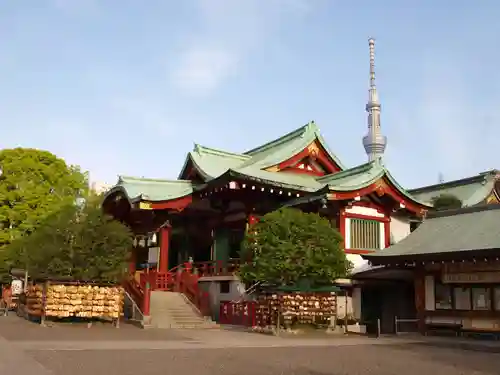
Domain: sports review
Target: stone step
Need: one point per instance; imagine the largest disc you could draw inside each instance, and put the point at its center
(172, 310)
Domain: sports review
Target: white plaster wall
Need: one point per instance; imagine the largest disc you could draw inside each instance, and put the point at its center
(430, 299)
(360, 210)
(400, 228)
(356, 303)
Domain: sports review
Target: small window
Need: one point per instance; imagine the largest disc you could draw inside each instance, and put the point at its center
(462, 298)
(481, 299)
(224, 287)
(443, 297)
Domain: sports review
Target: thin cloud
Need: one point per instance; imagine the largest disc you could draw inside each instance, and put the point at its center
(231, 30)
(202, 69)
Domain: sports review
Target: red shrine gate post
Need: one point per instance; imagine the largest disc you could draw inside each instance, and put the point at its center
(164, 248)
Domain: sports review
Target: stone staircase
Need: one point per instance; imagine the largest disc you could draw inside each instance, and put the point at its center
(174, 310)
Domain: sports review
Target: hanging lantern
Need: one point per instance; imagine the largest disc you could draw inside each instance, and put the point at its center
(135, 242)
(142, 242)
(153, 239)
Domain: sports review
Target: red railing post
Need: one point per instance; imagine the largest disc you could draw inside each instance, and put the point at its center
(146, 302)
(251, 312)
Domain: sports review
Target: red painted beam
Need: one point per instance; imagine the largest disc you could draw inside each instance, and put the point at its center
(178, 204)
(380, 187)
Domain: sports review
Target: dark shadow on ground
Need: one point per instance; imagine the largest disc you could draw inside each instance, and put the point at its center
(13, 328)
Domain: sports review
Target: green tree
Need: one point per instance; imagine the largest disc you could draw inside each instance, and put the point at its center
(287, 246)
(78, 243)
(446, 202)
(34, 184)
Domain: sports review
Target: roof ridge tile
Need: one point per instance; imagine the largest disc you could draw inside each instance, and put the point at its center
(122, 178)
(299, 132)
(215, 151)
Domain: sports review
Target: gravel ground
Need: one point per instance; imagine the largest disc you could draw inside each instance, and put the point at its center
(359, 360)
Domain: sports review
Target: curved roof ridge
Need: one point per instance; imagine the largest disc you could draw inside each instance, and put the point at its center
(300, 132)
(216, 151)
(403, 190)
(347, 172)
(457, 182)
(122, 178)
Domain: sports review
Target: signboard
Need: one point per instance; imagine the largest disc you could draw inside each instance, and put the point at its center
(469, 267)
(16, 287)
(471, 278)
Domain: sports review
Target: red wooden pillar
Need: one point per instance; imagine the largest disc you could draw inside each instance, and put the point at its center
(164, 247)
(387, 232)
(342, 225)
(132, 261)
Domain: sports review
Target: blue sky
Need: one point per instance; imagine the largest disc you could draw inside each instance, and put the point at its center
(127, 86)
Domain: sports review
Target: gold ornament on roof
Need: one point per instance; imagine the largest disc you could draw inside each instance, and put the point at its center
(313, 149)
(380, 187)
(492, 199)
(274, 168)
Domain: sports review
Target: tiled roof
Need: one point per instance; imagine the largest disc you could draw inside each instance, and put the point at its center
(471, 191)
(251, 165)
(137, 189)
(212, 163)
(466, 229)
(290, 144)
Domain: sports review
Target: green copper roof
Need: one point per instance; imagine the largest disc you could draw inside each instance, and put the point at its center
(212, 163)
(362, 176)
(147, 189)
(471, 191)
(354, 178)
(466, 229)
(283, 148)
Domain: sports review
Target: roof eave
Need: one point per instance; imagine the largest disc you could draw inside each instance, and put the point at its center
(405, 193)
(120, 189)
(236, 174)
(397, 259)
(196, 166)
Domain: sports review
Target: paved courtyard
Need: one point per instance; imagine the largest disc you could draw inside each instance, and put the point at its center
(28, 349)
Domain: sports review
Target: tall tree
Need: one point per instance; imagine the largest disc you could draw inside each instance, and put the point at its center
(33, 184)
(446, 202)
(287, 246)
(78, 242)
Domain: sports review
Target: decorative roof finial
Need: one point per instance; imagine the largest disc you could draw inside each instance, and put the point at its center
(440, 178)
(374, 142)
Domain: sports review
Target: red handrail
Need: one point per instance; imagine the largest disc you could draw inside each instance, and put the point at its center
(242, 313)
(182, 278)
